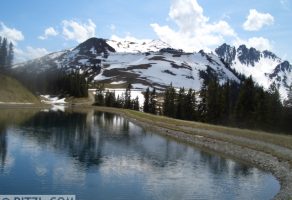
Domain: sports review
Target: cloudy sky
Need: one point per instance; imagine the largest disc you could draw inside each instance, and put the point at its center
(39, 27)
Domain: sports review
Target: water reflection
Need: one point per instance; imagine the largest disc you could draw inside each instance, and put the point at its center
(105, 156)
(3, 148)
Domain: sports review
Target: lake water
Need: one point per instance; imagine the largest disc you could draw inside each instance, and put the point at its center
(96, 155)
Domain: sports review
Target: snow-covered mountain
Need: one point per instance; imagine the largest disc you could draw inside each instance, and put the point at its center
(265, 67)
(154, 63)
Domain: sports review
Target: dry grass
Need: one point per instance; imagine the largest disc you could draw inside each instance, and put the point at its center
(12, 91)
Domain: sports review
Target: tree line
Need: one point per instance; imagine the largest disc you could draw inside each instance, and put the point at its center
(55, 82)
(244, 105)
(109, 99)
(6, 54)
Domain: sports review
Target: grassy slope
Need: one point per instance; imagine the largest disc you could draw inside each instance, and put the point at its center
(12, 91)
(232, 135)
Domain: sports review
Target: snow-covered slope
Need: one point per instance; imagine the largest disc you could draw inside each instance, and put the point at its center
(124, 46)
(265, 67)
(151, 63)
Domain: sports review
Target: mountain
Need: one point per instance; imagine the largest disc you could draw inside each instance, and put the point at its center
(154, 63)
(264, 66)
(150, 63)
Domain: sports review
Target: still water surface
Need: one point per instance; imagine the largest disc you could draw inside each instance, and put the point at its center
(98, 155)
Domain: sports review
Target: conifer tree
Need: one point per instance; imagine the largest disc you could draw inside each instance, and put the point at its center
(246, 103)
(3, 53)
(99, 98)
(202, 107)
(288, 101)
(10, 56)
(274, 105)
(169, 102)
(152, 102)
(180, 110)
(146, 100)
(136, 104)
(128, 103)
(225, 102)
(213, 107)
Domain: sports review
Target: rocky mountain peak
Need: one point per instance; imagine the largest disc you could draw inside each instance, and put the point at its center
(94, 46)
(248, 56)
(226, 52)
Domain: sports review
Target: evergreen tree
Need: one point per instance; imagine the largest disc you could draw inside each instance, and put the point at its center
(10, 56)
(202, 106)
(128, 103)
(169, 102)
(261, 107)
(3, 53)
(110, 99)
(274, 105)
(180, 110)
(152, 102)
(225, 102)
(119, 102)
(190, 105)
(136, 104)
(99, 98)
(213, 105)
(146, 100)
(288, 101)
(245, 106)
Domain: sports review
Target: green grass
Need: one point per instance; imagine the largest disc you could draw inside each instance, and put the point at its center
(13, 91)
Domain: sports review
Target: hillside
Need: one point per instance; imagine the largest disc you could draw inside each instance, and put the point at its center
(11, 91)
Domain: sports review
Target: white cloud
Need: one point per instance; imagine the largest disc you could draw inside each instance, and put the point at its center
(194, 32)
(48, 32)
(29, 53)
(11, 34)
(79, 32)
(259, 43)
(256, 20)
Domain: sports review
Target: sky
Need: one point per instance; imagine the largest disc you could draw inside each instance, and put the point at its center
(38, 27)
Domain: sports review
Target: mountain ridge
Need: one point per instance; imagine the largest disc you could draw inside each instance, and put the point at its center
(154, 63)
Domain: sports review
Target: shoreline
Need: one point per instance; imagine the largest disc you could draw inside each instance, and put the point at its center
(267, 151)
(279, 168)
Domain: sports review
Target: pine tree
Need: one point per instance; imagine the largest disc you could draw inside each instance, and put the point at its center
(99, 98)
(288, 101)
(128, 103)
(245, 106)
(10, 56)
(202, 107)
(225, 102)
(3, 53)
(213, 105)
(190, 105)
(146, 100)
(152, 102)
(169, 102)
(136, 104)
(274, 105)
(110, 99)
(180, 110)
